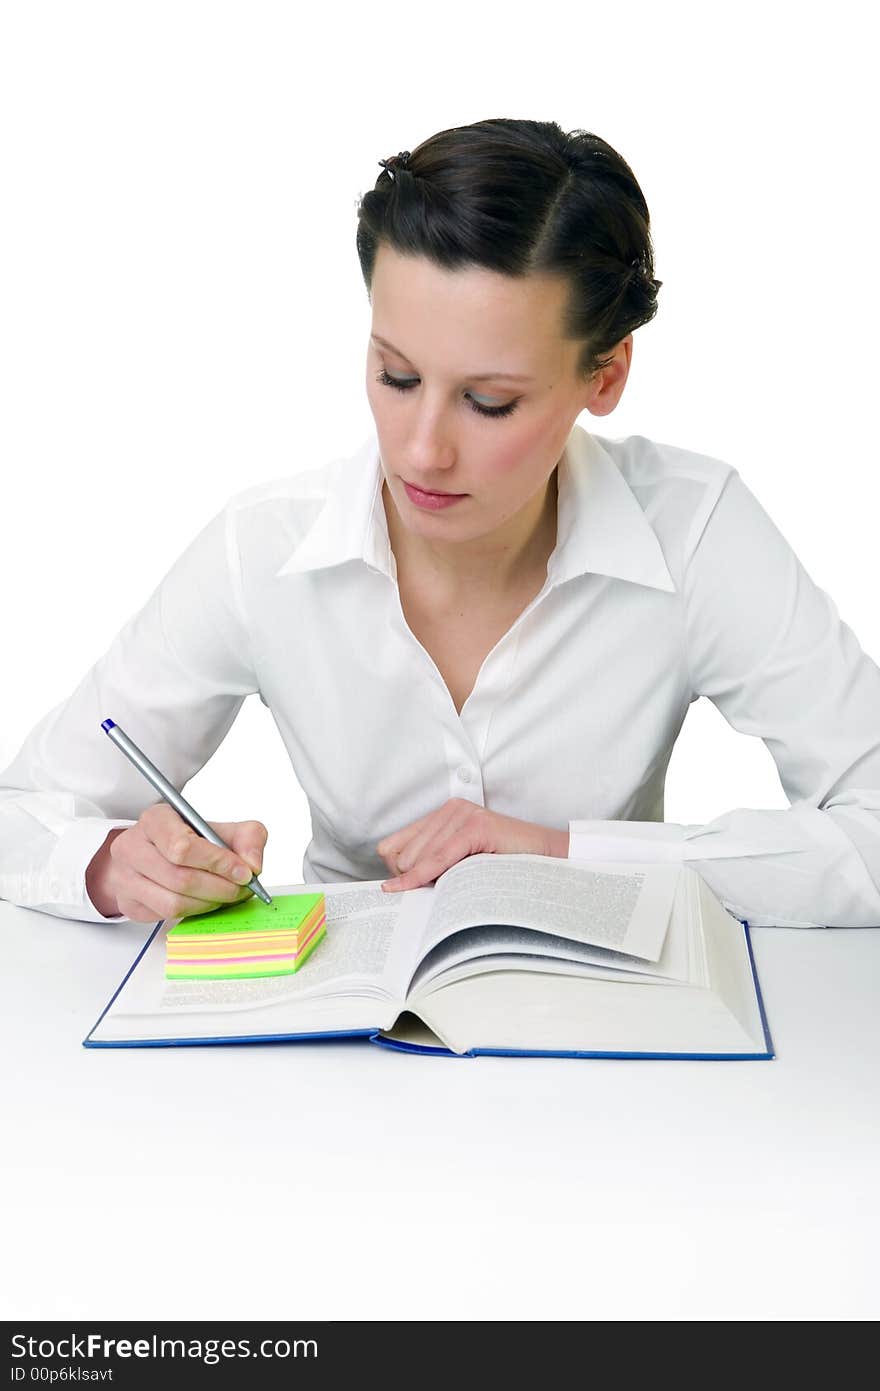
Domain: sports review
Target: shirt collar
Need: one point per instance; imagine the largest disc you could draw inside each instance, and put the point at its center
(601, 526)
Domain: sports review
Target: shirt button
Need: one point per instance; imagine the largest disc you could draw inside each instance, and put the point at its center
(464, 774)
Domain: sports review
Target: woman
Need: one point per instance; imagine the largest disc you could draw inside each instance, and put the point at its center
(483, 631)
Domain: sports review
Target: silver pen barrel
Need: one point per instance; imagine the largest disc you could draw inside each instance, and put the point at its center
(172, 796)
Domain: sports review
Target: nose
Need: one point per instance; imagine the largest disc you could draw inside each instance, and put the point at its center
(429, 454)
(424, 450)
(427, 461)
(432, 475)
(427, 444)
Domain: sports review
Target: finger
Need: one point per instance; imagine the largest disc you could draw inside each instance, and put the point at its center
(137, 911)
(161, 822)
(248, 840)
(196, 887)
(435, 842)
(434, 831)
(180, 845)
(144, 901)
(412, 879)
(434, 862)
(165, 908)
(390, 845)
(161, 902)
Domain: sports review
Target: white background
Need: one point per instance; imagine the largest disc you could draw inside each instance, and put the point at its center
(183, 312)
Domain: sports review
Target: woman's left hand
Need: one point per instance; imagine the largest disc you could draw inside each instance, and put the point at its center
(419, 853)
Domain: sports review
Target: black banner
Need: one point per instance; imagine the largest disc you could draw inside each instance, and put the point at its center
(122, 1354)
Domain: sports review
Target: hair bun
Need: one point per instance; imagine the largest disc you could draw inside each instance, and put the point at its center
(396, 162)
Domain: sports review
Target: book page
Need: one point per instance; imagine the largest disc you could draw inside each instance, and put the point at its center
(369, 950)
(622, 907)
(543, 1010)
(536, 965)
(727, 957)
(486, 944)
(511, 1001)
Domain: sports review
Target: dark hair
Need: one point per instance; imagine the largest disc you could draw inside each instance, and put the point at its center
(522, 197)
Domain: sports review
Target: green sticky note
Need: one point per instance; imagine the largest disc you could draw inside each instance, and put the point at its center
(286, 912)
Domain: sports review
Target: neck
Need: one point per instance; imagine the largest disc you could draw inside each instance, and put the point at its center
(493, 564)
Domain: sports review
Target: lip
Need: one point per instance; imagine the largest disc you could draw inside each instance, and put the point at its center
(432, 492)
(431, 502)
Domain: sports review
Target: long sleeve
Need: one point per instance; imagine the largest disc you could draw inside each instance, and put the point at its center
(768, 648)
(174, 678)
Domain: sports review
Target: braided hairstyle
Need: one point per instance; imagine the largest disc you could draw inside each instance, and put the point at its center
(523, 198)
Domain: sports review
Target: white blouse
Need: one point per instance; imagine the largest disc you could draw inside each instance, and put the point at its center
(669, 581)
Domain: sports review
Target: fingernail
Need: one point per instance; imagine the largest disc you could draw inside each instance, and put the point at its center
(241, 874)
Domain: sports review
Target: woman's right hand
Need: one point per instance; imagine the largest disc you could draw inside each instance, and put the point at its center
(162, 868)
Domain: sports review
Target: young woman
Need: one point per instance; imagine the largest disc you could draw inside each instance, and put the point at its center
(483, 630)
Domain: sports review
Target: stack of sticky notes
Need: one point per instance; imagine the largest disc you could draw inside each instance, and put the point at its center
(246, 939)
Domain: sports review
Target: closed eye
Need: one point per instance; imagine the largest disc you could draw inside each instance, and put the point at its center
(407, 383)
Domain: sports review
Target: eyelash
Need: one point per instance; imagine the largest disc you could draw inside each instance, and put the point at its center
(511, 406)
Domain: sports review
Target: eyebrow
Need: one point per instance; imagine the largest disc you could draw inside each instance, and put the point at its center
(471, 377)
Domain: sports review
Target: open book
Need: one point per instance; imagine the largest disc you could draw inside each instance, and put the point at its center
(502, 954)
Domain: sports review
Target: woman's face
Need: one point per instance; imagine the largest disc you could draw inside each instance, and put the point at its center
(455, 423)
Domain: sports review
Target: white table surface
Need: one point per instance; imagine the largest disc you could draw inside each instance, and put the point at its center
(346, 1181)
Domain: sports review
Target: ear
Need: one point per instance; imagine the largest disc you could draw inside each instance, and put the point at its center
(606, 387)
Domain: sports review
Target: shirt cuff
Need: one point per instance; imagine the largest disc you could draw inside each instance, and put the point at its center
(66, 870)
(645, 841)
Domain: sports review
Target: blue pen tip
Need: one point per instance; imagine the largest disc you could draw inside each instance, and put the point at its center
(108, 724)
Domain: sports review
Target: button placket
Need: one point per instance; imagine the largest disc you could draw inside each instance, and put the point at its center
(465, 778)
(494, 678)
(490, 686)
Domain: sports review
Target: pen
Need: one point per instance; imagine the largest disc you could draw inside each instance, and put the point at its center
(172, 796)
